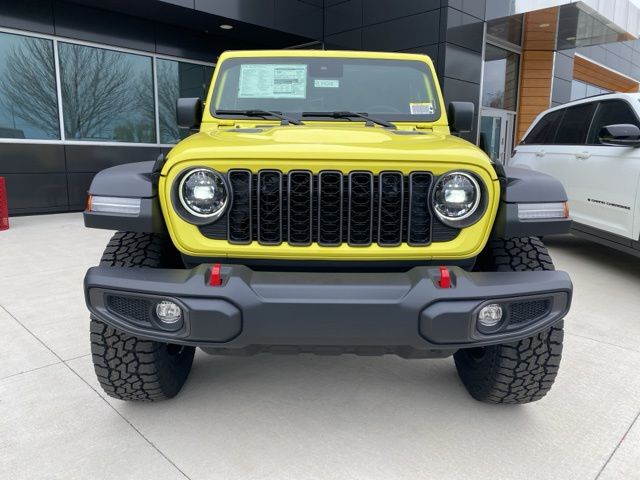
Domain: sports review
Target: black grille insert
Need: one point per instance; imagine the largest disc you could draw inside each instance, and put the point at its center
(390, 208)
(527, 311)
(419, 214)
(135, 309)
(330, 203)
(330, 208)
(239, 216)
(270, 207)
(300, 208)
(360, 208)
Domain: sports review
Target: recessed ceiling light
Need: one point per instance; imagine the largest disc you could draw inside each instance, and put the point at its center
(545, 25)
(226, 26)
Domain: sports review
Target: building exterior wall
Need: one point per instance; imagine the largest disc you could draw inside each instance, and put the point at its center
(53, 175)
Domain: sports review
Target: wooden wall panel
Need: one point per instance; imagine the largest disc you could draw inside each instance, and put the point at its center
(535, 87)
(536, 71)
(590, 72)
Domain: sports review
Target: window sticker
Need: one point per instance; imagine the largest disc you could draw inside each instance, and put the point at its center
(326, 83)
(425, 108)
(273, 81)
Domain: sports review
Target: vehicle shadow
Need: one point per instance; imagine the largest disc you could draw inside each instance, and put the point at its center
(581, 253)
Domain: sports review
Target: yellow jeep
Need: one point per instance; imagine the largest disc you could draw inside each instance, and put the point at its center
(322, 205)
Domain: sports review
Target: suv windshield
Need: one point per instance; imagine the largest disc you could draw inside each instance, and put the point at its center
(391, 90)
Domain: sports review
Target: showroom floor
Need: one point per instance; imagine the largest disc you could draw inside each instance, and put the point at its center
(298, 417)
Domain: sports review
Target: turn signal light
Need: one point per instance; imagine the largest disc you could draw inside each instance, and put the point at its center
(542, 211)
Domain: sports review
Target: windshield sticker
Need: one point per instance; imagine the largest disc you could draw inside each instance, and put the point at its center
(421, 108)
(326, 83)
(272, 81)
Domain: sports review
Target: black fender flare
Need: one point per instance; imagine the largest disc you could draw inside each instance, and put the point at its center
(522, 185)
(131, 180)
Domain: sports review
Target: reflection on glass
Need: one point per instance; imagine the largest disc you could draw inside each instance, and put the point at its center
(175, 80)
(507, 29)
(500, 83)
(581, 90)
(490, 131)
(28, 101)
(106, 95)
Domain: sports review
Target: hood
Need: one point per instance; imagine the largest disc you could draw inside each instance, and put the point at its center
(350, 141)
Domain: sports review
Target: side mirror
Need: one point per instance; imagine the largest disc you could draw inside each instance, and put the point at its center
(189, 112)
(461, 116)
(626, 135)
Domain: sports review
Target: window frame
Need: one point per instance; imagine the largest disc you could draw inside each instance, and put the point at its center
(589, 126)
(596, 118)
(560, 112)
(63, 141)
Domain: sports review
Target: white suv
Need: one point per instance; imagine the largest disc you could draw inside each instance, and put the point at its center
(591, 146)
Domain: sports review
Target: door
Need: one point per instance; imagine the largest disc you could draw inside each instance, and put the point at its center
(554, 144)
(561, 157)
(496, 133)
(606, 177)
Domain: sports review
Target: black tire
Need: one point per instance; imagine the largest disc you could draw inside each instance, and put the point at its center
(127, 367)
(517, 372)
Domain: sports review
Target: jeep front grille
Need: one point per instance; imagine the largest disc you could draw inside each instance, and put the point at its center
(330, 208)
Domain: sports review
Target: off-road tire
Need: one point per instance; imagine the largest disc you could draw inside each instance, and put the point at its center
(516, 372)
(127, 367)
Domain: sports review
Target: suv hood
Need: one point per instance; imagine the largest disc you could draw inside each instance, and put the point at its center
(346, 141)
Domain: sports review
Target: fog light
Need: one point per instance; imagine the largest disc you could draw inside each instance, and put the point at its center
(490, 315)
(168, 312)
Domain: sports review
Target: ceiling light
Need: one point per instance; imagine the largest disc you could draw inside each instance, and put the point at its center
(226, 26)
(545, 25)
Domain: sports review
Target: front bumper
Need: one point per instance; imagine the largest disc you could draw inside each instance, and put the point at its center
(364, 313)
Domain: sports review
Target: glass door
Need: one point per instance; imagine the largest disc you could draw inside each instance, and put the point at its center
(496, 133)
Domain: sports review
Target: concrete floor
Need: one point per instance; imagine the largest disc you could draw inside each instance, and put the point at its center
(273, 417)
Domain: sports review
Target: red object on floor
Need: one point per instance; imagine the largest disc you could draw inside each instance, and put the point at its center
(445, 278)
(4, 206)
(215, 279)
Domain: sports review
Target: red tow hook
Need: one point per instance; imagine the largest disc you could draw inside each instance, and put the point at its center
(215, 277)
(445, 278)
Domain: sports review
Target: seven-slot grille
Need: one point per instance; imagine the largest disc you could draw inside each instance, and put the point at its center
(330, 208)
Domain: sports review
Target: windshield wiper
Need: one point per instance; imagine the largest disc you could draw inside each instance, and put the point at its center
(262, 113)
(364, 116)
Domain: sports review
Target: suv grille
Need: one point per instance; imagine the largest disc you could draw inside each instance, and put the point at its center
(329, 208)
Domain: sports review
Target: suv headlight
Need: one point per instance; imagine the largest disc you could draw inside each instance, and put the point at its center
(456, 199)
(203, 193)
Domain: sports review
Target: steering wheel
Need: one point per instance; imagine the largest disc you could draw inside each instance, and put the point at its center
(383, 109)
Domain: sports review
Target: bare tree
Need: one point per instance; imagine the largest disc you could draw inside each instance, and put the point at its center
(28, 85)
(95, 87)
(168, 93)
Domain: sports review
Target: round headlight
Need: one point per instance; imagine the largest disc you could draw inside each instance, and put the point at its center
(456, 197)
(203, 193)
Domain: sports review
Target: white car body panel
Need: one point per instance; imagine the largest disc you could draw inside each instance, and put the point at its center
(602, 182)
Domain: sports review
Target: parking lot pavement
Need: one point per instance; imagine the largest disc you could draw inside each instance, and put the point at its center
(298, 417)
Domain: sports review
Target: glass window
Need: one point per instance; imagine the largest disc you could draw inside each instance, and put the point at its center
(175, 80)
(575, 125)
(581, 90)
(28, 97)
(545, 130)
(106, 95)
(500, 82)
(400, 90)
(612, 112)
(507, 29)
(578, 90)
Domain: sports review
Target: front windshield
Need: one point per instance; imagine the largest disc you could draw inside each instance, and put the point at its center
(400, 90)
